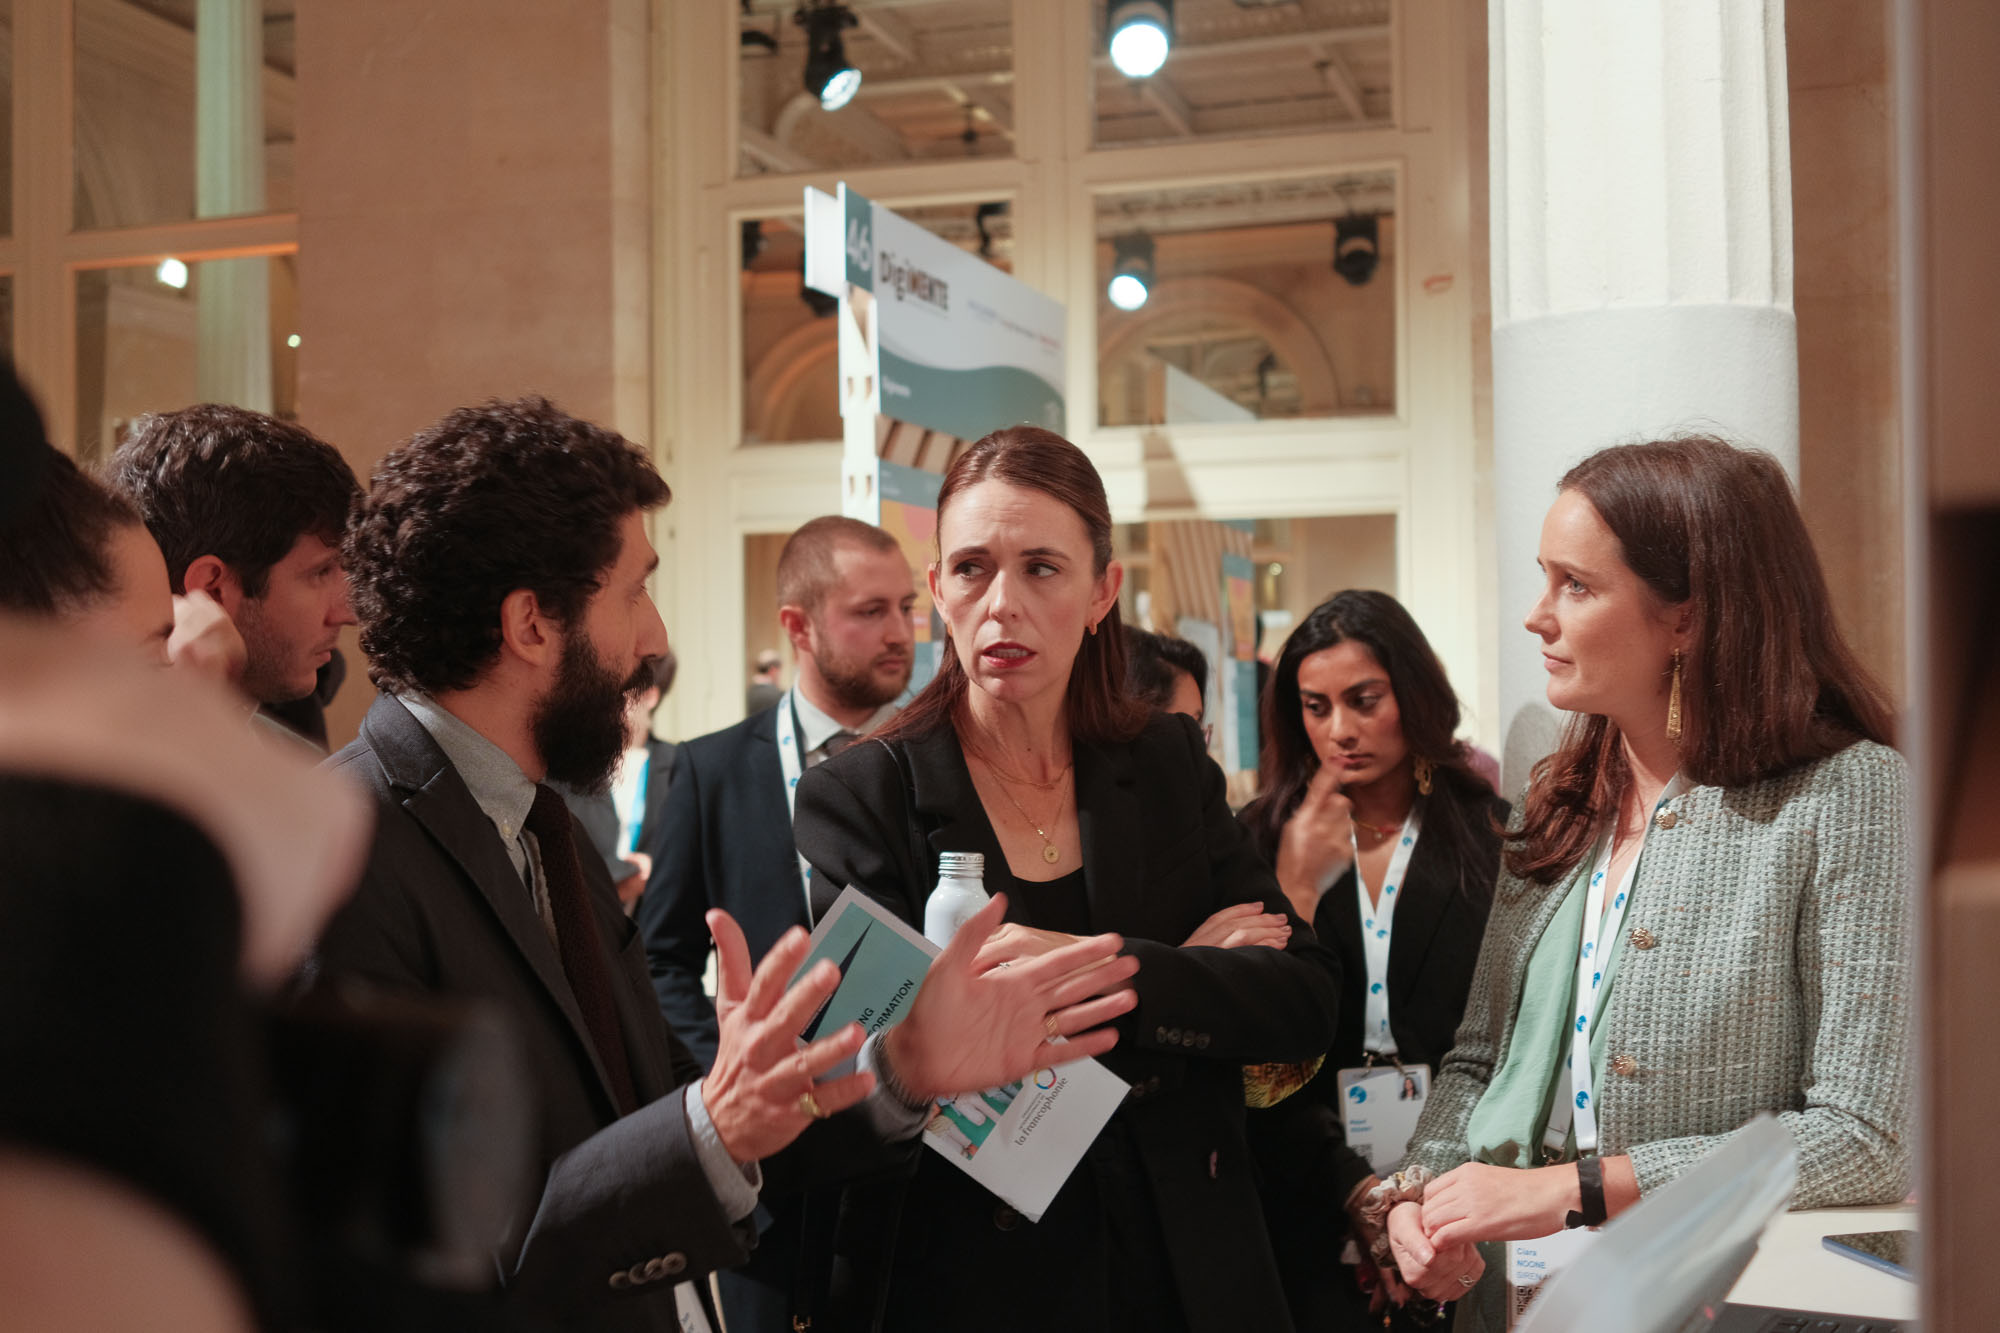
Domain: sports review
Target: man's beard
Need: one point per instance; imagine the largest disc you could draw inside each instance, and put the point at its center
(854, 683)
(579, 725)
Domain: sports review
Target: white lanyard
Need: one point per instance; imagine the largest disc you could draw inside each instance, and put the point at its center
(792, 761)
(1377, 925)
(1577, 1087)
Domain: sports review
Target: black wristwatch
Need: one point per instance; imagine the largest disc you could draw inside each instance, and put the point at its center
(1590, 1186)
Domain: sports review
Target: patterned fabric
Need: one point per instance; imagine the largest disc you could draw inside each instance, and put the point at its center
(1268, 1084)
(1766, 968)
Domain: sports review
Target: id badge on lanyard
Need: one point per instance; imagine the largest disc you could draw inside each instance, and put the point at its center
(1576, 1087)
(1381, 1100)
(792, 762)
(1380, 1104)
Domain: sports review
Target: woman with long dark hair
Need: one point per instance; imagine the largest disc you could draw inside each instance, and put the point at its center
(1093, 814)
(1388, 842)
(1703, 914)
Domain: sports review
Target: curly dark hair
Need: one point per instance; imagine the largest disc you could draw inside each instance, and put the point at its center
(235, 484)
(490, 500)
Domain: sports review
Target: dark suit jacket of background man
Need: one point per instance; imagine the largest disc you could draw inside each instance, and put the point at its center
(442, 911)
(724, 839)
(598, 813)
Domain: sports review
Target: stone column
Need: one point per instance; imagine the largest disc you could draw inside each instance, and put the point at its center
(1642, 262)
(233, 296)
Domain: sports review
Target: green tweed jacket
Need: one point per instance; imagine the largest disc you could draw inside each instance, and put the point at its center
(1765, 968)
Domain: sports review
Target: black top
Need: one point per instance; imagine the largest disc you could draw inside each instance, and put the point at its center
(1049, 904)
(1163, 1228)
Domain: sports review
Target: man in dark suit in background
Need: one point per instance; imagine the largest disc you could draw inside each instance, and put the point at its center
(499, 568)
(845, 597)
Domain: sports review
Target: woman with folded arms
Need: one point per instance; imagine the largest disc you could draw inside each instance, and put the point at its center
(1388, 842)
(1704, 912)
(1093, 814)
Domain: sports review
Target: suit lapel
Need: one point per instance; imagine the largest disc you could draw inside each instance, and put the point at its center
(1113, 829)
(1422, 902)
(948, 810)
(438, 799)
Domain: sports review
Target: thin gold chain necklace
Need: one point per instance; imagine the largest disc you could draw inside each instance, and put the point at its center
(1379, 830)
(1002, 773)
(1050, 852)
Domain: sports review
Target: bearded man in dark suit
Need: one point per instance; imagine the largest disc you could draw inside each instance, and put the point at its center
(499, 568)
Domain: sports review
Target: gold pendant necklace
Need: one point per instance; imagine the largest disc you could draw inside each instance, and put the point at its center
(1050, 852)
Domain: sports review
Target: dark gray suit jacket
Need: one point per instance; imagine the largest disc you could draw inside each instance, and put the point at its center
(441, 910)
(724, 839)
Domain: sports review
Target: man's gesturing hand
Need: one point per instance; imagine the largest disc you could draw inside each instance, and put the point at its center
(756, 1093)
(972, 1029)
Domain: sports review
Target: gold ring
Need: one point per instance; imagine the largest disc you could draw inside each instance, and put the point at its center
(810, 1105)
(1050, 1026)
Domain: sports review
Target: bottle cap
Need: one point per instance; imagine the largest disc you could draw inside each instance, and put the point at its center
(961, 863)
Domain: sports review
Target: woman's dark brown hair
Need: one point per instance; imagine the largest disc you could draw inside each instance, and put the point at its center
(1099, 709)
(1767, 681)
(1429, 718)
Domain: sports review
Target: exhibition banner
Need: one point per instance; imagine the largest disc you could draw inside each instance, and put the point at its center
(1239, 673)
(908, 499)
(959, 346)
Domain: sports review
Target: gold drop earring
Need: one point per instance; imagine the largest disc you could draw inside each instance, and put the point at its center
(1674, 702)
(1422, 768)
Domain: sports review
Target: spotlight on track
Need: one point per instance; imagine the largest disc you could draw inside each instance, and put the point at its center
(828, 75)
(1356, 248)
(1141, 33)
(1131, 271)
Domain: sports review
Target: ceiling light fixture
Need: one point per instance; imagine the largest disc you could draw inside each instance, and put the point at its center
(173, 273)
(1355, 248)
(1131, 271)
(828, 75)
(1141, 32)
(982, 218)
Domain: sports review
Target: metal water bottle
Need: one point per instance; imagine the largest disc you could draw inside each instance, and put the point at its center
(960, 893)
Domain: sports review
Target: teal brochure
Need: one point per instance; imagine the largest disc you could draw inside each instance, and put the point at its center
(882, 964)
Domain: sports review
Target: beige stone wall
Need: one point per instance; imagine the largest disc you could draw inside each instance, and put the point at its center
(1843, 224)
(473, 192)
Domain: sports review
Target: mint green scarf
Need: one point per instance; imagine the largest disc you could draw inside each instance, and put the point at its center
(1506, 1126)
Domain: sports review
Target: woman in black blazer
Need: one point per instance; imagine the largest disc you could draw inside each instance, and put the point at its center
(1360, 720)
(1092, 816)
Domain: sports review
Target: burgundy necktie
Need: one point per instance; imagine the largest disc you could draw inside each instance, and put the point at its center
(583, 957)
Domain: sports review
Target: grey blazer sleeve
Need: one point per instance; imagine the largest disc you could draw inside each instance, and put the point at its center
(1852, 964)
(630, 1194)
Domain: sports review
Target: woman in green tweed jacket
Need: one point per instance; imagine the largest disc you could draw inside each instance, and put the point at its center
(1706, 898)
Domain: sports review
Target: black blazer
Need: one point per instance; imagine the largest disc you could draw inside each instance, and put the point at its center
(1161, 854)
(440, 910)
(723, 839)
(1439, 925)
